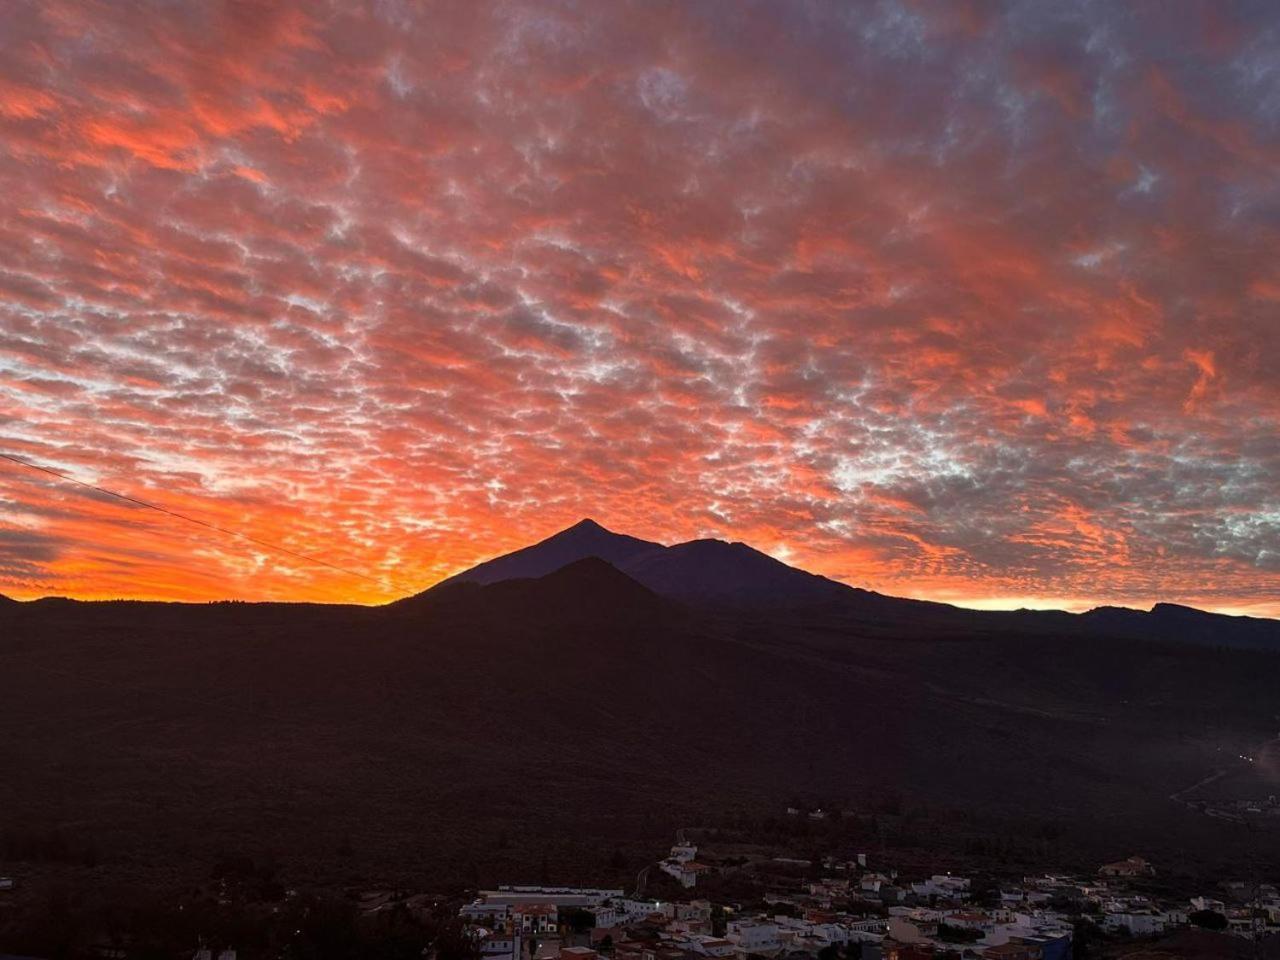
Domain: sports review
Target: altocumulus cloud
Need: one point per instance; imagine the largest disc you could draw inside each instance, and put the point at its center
(971, 301)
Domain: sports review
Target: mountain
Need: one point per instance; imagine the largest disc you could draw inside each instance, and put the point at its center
(699, 571)
(735, 576)
(489, 732)
(1175, 622)
(584, 539)
(583, 588)
(720, 573)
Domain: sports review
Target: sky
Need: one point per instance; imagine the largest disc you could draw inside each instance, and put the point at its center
(971, 301)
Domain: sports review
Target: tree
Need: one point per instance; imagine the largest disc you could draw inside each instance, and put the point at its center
(577, 919)
(718, 920)
(1208, 919)
(950, 934)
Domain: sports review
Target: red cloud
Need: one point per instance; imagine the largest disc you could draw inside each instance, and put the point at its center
(941, 305)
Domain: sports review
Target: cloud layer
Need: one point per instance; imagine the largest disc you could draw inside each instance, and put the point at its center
(970, 301)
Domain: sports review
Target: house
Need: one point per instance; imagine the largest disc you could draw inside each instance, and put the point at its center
(711, 946)
(753, 936)
(605, 915)
(917, 927)
(693, 910)
(631, 910)
(686, 872)
(872, 882)
(1129, 867)
(942, 885)
(578, 953)
(1135, 923)
(541, 893)
(683, 852)
(1207, 903)
(860, 929)
(1055, 946)
(535, 918)
(1015, 949)
(500, 946)
(970, 920)
(490, 914)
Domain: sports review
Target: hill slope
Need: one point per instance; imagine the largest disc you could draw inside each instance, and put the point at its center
(734, 576)
(712, 571)
(574, 713)
(584, 539)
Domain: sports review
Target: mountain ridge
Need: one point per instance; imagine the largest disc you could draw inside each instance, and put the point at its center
(586, 538)
(564, 705)
(733, 575)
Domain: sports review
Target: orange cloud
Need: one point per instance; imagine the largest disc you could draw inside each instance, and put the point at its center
(935, 305)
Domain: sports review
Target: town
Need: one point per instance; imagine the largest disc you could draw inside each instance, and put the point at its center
(853, 909)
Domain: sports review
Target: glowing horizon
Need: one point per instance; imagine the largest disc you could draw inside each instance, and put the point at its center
(964, 302)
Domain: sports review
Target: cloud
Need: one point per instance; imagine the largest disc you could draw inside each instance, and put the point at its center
(968, 303)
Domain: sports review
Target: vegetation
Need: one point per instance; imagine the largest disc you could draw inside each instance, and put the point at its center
(951, 934)
(1208, 919)
(67, 923)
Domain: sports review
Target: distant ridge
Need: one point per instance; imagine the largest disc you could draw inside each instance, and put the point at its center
(713, 571)
(568, 704)
(590, 586)
(1176, 621)
(734, 576)
(699, 571)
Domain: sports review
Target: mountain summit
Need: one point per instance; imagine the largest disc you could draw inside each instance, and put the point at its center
(584, 539)
(699, 571)
(716, 574)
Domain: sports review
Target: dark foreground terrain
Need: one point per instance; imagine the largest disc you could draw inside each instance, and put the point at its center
(559, 727)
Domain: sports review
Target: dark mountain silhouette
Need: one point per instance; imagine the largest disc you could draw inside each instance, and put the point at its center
(713, 571)
(1171, 621)
(699, 571)
(583, 588)
(735, 575)
(585, 708)
(584, 539)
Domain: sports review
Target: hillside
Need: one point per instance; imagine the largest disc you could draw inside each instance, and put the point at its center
(736, 577)
(734, 574)
(477, 729)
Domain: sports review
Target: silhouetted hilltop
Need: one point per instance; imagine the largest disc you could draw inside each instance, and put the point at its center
(587, 587)
(571, 707)
(735, 576)
(698, 571)
(716, 572)
(584, 539)
(1175, 622)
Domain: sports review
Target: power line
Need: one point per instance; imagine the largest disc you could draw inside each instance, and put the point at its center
(280, 548)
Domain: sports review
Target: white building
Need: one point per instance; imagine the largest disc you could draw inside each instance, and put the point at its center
(942, 885)
(500, 946)
(753, 936)
(1136, 924)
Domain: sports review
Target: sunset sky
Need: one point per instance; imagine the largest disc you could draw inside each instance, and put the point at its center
(973, 301)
